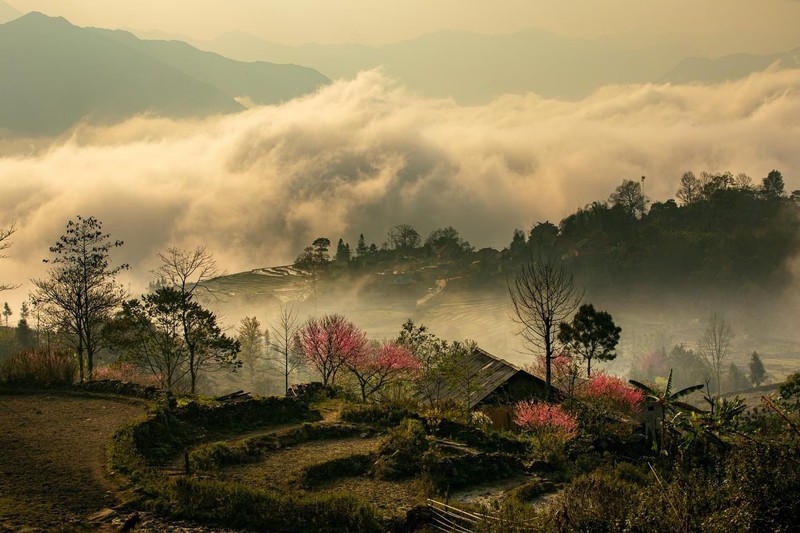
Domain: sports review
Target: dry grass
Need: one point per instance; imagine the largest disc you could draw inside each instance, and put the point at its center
(283, 472)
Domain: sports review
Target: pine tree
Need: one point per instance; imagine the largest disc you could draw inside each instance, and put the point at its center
(757, 371)
(6, 312)
(361, 247)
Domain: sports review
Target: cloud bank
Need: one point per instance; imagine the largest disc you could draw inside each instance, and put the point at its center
(363, 155)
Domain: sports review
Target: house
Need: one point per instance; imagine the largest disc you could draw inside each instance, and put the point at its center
(495, 385)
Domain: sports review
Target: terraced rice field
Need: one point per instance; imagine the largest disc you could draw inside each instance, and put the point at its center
(283, 471)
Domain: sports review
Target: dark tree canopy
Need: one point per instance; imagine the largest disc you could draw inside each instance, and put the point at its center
(404, 237)
(592, 334)
(446, 242)
(772, 187)
(629, 197)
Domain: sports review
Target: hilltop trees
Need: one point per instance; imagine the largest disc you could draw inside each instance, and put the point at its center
(6, 313)
(591, 334)
(81, 291)
(446, 242)
(629, 197)
(404, 237)
(772, 186)
(543, 295)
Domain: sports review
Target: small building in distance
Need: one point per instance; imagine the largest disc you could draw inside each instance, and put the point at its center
(496, 385)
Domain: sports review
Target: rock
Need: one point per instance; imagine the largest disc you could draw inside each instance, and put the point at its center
(131, 522)
(103, 515)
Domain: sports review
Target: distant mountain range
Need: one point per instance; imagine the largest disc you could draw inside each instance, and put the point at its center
(7, 12)
(729, 67)
(473, 68)
(55, 74)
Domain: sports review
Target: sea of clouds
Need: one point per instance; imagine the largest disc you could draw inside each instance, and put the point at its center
(363, 155)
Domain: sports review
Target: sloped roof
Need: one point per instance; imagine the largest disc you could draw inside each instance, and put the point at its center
(490, 373)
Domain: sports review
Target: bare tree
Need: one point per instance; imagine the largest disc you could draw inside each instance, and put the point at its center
(715, 344)
(82, 290)
(5, 243)
(186, 271)
(543, 295)
(285, 342)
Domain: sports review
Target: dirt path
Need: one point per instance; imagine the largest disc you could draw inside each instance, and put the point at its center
(53, 458)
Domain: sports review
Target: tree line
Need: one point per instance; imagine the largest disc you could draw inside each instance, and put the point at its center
(720, 230)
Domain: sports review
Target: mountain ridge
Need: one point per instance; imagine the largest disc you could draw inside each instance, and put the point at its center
(57, 74)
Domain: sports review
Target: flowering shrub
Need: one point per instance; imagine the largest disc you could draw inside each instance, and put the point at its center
(126, 373)
(536, 417)
(550, 427)
(41, 367)
(612, 392)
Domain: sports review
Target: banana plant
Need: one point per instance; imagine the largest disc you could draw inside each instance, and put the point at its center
(668, 402)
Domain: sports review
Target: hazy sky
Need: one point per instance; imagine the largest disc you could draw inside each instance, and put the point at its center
(378, 21)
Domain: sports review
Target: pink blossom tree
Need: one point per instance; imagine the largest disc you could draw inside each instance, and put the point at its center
(379, 365)
(329, 342)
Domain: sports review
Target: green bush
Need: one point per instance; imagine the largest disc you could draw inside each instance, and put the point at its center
(236, 505)
(446, 473)
(382, 414)
(219, 454)
(354, 465)
(599, 501)
(400, 452)
(789, 391)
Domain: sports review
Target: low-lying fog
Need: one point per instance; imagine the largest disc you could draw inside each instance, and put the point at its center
(363, 155)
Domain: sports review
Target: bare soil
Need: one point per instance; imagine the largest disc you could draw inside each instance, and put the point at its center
(53, 463)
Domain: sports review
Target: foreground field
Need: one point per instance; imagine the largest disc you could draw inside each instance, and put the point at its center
(53, 461)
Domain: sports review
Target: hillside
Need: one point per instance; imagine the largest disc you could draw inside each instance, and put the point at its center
(56, 74)
(728, 67)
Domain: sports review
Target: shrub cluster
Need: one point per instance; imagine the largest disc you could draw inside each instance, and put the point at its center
(218, 454)
(446, 473)
(354, 465)
(382, 414)
(482, 440)
(236, 505)
(246, 414)
(40, 367)
(401, 452)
